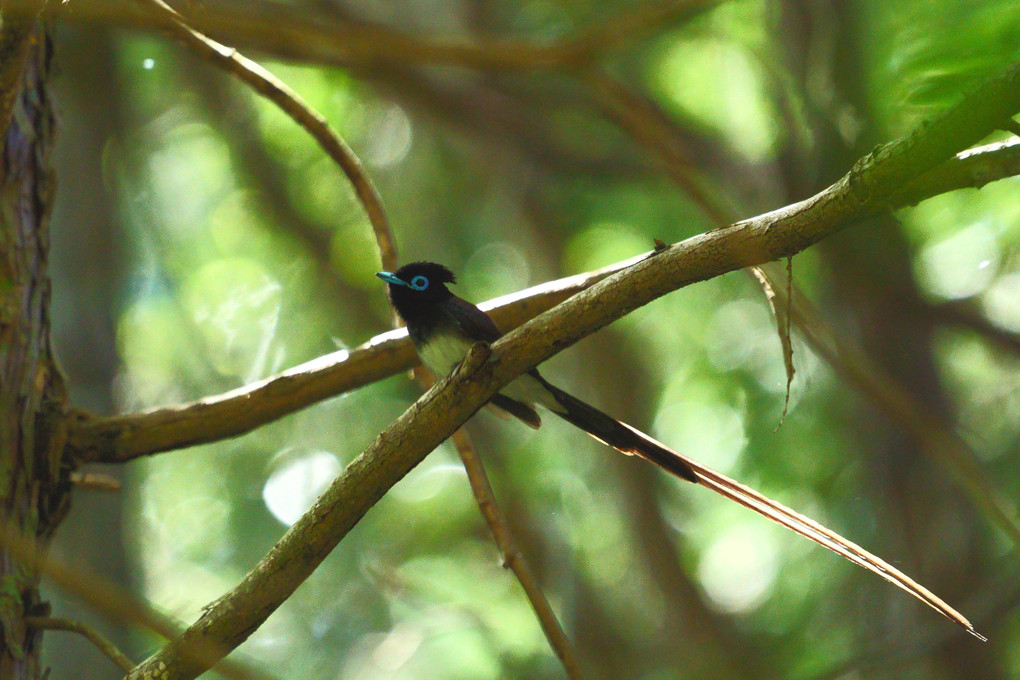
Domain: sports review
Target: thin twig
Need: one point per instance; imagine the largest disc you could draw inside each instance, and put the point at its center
(91, 634)
(271, 87)
(513, 558)
(95, 481)
(111, 601)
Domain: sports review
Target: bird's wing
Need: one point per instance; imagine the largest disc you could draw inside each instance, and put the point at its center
(473, 322)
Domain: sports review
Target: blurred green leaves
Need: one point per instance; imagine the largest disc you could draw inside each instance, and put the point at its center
(514, 179)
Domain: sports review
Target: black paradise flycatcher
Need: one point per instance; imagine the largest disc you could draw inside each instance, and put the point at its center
(443, 327)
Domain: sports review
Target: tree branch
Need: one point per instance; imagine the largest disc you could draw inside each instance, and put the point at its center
(971, 169)
(402, 445)
(513, 558)
(118, 439)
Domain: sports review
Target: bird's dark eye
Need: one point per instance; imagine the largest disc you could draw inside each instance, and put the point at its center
(419, 283)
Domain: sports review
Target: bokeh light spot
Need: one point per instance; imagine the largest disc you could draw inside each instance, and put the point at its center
(961, 265)
(739, 568)
(292, 488)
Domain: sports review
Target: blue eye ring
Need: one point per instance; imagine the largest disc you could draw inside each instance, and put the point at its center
(419, 283)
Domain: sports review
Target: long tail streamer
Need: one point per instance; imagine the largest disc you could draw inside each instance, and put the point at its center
(806, 527)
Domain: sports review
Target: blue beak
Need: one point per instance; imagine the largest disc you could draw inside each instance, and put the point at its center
(391, 278)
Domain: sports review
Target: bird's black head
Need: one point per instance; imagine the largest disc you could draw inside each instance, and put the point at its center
(415, 287)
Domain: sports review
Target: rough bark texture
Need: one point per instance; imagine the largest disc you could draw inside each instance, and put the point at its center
(33, 488)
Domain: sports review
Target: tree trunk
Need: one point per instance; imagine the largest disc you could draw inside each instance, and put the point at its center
(33, 487)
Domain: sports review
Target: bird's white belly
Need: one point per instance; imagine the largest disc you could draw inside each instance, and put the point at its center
(444, 351)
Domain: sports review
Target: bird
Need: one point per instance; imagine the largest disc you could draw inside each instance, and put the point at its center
(443, 327)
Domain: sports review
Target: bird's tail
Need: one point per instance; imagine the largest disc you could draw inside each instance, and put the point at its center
(626, 439)
(620, 436)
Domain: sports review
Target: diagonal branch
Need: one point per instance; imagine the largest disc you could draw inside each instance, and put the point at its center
(122, 438)
(271, 87)
(513, 558)
(101, 642)
(402, 445)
